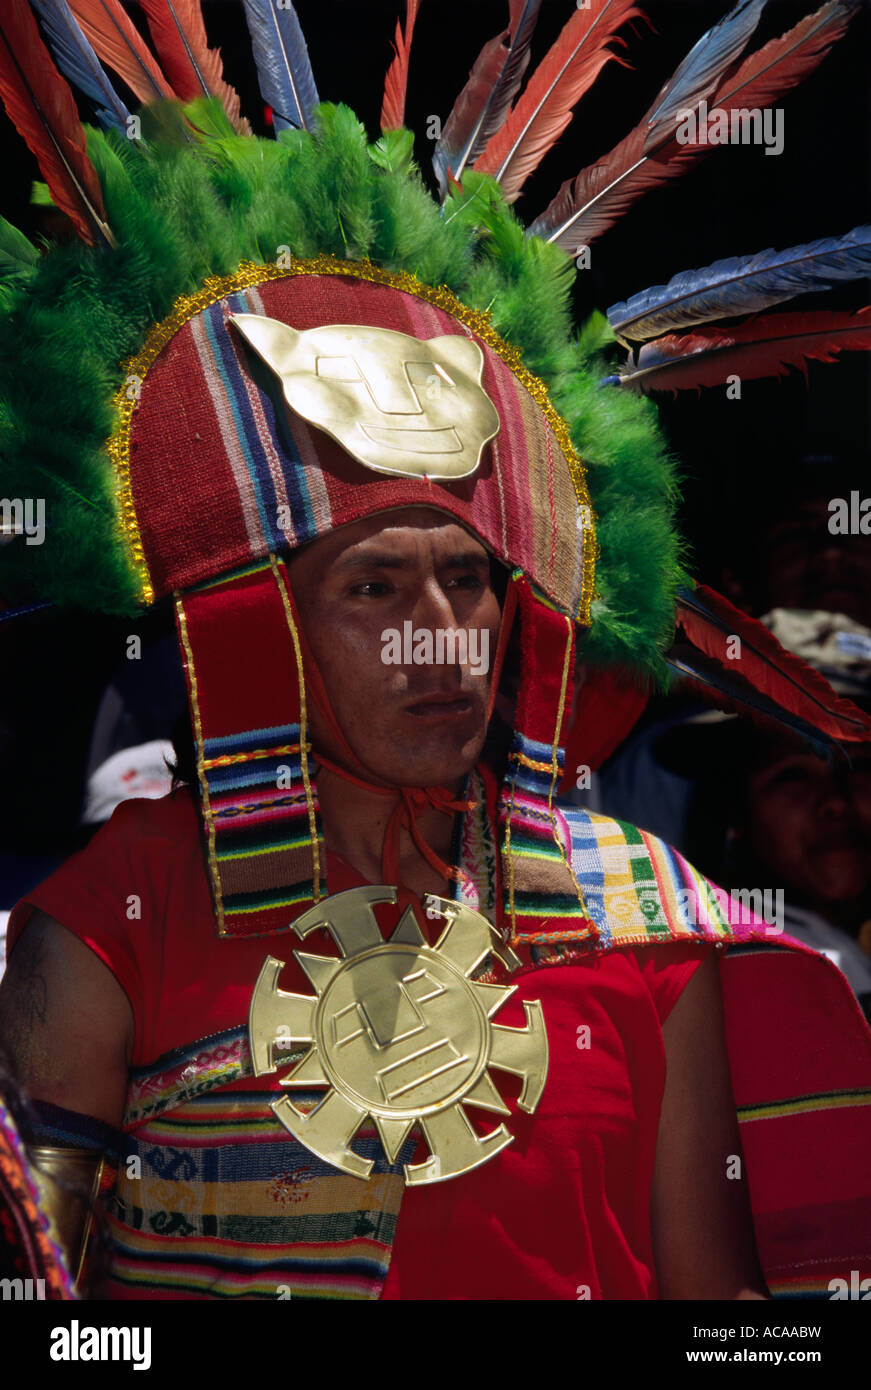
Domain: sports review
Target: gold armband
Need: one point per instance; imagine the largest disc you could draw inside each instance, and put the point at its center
(68, 1181)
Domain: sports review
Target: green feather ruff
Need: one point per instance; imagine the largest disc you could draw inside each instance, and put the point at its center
(183, 207)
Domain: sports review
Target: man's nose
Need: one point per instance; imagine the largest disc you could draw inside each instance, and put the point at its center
(433, 608)
(835, 794)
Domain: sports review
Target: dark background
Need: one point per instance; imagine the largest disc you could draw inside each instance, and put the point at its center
(738, 458)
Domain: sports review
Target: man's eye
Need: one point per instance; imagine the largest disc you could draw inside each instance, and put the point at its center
(795, 773)
(466, 581)
(373, 588)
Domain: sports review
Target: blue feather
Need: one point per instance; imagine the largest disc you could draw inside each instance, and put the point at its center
(284, 71)
(742, 285)
(79, 63)
(697, 76)
(9, 614)
(482, 106)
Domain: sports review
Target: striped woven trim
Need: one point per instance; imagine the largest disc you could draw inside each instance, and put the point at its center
(165, 1268)
(807, 1287)
(187, 1072)
(269, 476)
(223, 1202)
(799, 1105)
(827, 1283)
(265, 845)
(533, 764)
(635, 888)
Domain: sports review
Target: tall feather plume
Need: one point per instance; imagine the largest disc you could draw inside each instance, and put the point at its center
(743, 285)
(79, 63)
(284, 70)
(40, 105)
(582, 210)
(493, 83)
(697, 76)
(711, 623)
(788, 60)
(118, 43)
(193, 69)
(545, 108)
(765, 346)
(396, 81)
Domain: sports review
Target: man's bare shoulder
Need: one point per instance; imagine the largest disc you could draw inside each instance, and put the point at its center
(66, 1025)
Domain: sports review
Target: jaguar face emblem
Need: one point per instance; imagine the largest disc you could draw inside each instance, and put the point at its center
(397, 404)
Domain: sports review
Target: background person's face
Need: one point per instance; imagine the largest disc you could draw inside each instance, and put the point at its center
(810, 823)
(410, 724)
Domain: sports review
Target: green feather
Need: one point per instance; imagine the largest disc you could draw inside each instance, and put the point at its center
(15, 247)
(394, 151)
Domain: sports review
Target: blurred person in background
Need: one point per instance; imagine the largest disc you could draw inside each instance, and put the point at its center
(771, 813)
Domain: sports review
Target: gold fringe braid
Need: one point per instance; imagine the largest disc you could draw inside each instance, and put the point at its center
(201, 769)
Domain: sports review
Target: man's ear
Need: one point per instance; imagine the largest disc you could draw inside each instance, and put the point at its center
(273, 341)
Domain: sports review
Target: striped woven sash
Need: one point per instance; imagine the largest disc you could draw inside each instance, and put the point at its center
(215, 1199)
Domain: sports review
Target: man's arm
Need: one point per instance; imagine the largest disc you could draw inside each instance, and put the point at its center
(66, 1024)
(703, 1237)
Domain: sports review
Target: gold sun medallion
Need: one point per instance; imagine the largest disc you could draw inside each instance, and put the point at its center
(400, 1033)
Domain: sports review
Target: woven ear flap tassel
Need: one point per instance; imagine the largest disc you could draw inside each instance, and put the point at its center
(243, 661)
(543, 899)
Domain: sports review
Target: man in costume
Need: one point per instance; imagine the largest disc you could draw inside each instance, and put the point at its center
(371, 1013)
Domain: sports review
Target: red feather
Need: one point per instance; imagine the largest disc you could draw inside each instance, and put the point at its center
(767, 666)
(582, 210)
(117, 42)
(765, 346)
(396, 81)
(193, 69)
(494, 81)
(784, 62)
(41, 106)
(557, 85)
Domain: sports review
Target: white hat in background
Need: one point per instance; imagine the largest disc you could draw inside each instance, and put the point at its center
(139, 771)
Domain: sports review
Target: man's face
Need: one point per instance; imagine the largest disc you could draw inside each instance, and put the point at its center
(410, 722)
(811, 824)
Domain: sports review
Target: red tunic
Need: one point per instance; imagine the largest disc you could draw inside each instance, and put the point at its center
(562, 1213)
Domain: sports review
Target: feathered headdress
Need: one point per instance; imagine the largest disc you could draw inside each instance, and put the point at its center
(118, 350)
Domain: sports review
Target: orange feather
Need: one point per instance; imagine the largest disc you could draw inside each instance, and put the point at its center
(544, 110)
(784, 62)
(118, 43)
(582, 210)
(396, 81)
(193, 69)
(484, 102)
(41, 106)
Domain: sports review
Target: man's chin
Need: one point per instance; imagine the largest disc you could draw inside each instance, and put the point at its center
(840, 875)
(434, 763)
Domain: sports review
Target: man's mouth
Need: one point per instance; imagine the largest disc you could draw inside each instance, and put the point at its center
(847, 841)
(440, 707)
